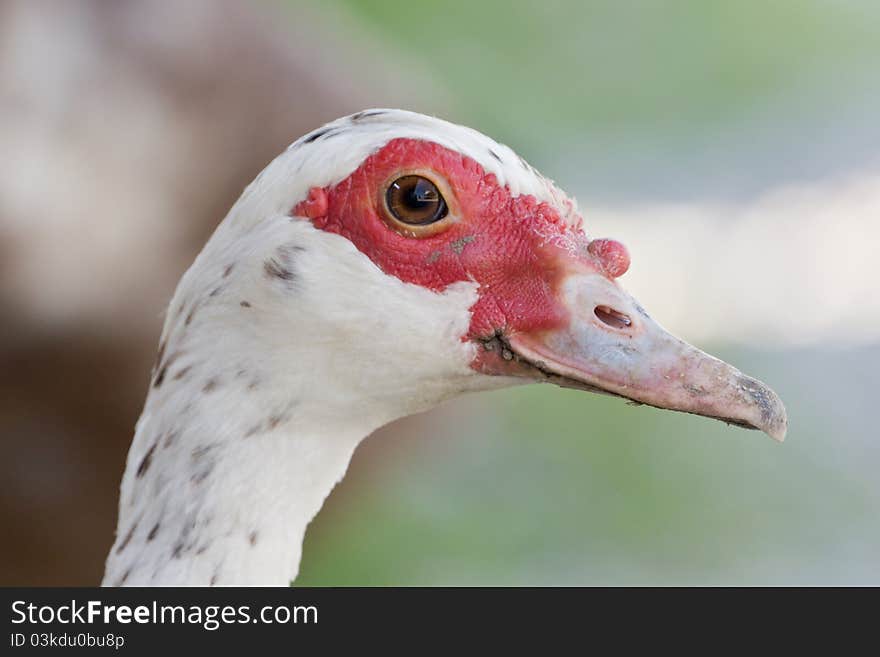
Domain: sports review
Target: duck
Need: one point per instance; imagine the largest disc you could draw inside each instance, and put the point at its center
(381, 265)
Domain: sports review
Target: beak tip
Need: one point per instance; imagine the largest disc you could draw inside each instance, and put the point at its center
(778, 433)
(777, 425)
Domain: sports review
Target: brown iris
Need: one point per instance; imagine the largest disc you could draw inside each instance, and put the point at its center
(414, 200)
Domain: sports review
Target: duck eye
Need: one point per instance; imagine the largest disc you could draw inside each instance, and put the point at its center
(415, 200)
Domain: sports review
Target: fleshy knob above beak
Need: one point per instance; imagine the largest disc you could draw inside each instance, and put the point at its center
(611, 255)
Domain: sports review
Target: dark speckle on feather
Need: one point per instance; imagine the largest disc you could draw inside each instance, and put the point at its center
(201, 475)
(322, 133)
(245, 304)
(201, 451)
(170, 438)
(203, 463)
(127, 539)
(163, 369)
(495, 155)
(228, 270)
(210, 385)
(252, 538)
(153, 532)
(124, 578)
(145, 462)
(182, 372)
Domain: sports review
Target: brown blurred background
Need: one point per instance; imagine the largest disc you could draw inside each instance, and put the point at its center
(128, 130)
(699, 136)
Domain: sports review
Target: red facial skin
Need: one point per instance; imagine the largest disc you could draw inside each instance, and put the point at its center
(515, 248)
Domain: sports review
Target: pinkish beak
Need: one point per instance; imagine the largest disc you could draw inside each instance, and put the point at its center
(611, 345)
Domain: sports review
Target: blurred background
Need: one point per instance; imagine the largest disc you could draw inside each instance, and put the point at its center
(734, 147)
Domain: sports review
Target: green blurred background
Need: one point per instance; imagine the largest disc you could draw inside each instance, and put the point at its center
(733, 146)
(628, 102)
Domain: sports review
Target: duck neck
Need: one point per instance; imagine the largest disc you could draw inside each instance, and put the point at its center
(256, 405)
(225, 496)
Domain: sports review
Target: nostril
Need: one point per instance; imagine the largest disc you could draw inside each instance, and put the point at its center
(612, 318)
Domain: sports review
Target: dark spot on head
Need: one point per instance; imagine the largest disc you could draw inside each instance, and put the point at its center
(275, 269)
(127, 539)
(495, 155)
(214, 578)
(190, 315)
(245, 304)
(253, 538)
(202, 549)
(210, 385)
(178, 550)
(367, 114)
(145, 462)
(317, 134)
(217, 290)
(280, 266)
(153, 532)
(253, 385)
(321, 132)
(228, 270)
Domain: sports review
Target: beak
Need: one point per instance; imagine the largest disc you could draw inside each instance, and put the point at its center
(611, 345)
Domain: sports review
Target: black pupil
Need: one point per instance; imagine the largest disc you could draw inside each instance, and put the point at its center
(415, 200)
